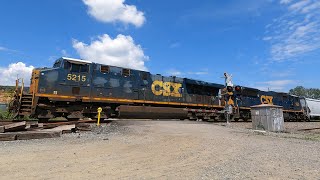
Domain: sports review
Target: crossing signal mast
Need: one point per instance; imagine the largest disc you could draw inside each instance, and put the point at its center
(231, 102)
(229, 83)
(228, 96)
(228, 79)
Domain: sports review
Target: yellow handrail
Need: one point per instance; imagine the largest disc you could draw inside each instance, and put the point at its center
(21, 92)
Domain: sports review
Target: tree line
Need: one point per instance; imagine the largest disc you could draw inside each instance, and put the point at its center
(313, 93)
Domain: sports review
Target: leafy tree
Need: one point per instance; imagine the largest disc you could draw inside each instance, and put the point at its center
(298, 91)
(306, 92)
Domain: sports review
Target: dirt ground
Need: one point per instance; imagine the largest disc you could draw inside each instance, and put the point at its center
(308, 129)
(162, 150)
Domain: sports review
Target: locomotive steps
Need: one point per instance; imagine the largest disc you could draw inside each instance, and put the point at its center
(26, 104)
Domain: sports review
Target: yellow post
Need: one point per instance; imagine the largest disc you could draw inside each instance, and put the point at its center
(99, 115)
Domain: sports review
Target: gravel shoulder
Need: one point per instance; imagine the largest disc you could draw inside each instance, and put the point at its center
(162, 150)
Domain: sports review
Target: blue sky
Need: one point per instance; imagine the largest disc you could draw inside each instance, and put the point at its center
(263, 43)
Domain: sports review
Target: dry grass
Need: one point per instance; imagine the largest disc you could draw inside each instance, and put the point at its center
(5, 97)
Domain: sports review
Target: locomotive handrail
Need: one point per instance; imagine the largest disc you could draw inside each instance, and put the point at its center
(21, 92)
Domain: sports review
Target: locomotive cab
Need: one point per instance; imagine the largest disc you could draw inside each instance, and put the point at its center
(74, 77)
(67, 77)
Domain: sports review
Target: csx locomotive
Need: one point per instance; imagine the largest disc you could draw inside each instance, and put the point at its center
(75, 88)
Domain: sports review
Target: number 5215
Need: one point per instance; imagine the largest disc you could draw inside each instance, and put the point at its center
(76, 78)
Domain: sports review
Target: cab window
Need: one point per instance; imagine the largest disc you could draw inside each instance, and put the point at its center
(84, 68)
(126, 72)
(105, 69)
(144, 75)
(76, 68)
(67, 65)
(57, 64)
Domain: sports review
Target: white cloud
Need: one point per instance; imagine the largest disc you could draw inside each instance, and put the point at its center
(295, 33)
(282, 74)
(3, 48)
(9, 74)
(278, 82)
(285, 1)
(268, 38)
(174, 72)
(199, 73)
(299, 5)
(275, 85)
(64, 53)
(174, 45)
(121, 51)
(115, 11)
(192, 74)
(311, 7)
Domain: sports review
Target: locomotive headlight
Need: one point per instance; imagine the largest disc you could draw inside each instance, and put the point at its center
(42, 90)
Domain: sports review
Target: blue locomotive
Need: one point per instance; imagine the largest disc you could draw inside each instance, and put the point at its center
(245, 97)
(75, 88)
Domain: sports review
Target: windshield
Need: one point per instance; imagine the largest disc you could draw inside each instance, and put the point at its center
(57, 64)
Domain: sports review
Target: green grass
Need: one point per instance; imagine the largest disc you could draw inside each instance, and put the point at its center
(312, 137)
(6, 115)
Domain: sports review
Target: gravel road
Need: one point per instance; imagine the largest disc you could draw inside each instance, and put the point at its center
(162, 150)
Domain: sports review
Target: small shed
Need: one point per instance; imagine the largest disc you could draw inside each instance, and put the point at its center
(267, 117)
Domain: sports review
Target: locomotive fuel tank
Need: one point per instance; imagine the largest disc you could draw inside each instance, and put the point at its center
(143, 112)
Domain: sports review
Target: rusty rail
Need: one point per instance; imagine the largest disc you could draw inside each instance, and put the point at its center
(309, 129)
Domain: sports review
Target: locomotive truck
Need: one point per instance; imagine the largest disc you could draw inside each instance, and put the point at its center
(75, 88)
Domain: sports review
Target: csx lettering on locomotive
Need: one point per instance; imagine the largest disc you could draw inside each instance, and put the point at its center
(166, 89)
(266, 99)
